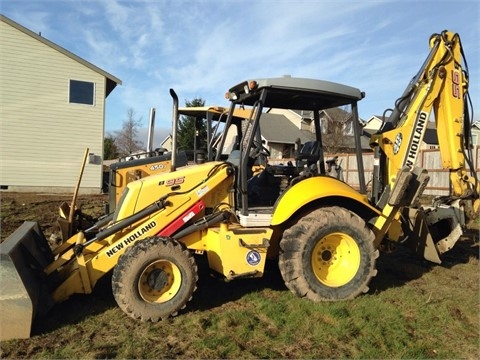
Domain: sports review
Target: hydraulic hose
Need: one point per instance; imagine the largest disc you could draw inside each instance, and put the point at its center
(214, 219)
(157, 205)
(150, 209)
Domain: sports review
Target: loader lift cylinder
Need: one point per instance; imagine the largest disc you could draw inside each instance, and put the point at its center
(157, 205)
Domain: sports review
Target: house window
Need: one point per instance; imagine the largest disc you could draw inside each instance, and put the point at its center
(348, 128)
(82, 92)
(323, 125)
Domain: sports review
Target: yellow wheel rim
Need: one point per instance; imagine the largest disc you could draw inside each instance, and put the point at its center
(159, 281)
(335, 259)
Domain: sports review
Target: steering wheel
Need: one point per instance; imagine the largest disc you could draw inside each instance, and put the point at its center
(259, 149)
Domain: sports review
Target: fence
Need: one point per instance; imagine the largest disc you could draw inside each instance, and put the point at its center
(428, 159)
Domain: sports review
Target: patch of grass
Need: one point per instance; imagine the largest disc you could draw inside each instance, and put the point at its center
(433, 316)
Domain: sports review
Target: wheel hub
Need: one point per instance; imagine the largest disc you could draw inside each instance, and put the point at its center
(326, 255)
(160, 281)
(335, 259)
(157, 279)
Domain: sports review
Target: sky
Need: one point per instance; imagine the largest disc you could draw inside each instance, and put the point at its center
(202, 48)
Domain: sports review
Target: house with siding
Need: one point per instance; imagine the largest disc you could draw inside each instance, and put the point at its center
(52, 108)
(285, 131)
(475, 132)
(282, 136)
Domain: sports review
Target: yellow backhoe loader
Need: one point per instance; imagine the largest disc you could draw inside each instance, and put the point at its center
(325, 234)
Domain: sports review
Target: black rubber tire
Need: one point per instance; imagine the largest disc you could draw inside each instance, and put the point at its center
(297, 256)
(142, 256)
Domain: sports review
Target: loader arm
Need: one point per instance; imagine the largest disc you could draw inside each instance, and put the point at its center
(88, 261)
(35, 277)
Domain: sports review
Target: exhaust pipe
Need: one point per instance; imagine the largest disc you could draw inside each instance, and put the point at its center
(174, 129)
(151, 128)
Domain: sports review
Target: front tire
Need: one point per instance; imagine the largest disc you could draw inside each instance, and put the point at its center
(154, 279)
(328, 255)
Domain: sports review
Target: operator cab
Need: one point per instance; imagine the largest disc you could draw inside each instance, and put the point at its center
(209, 121)
(258, 191)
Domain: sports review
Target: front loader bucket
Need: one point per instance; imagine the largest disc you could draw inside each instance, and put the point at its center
(23, 285)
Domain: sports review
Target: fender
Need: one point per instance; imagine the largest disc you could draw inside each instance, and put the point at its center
(312, 189)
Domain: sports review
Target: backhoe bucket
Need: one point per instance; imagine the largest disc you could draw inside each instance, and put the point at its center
(23, 285)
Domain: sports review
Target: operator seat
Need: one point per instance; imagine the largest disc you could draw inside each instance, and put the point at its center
(306, 161)
(234, 158)
(310, 153)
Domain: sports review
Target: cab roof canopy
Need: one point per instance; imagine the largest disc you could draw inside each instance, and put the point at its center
(296, 93)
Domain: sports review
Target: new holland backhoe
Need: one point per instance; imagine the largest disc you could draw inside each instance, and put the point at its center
(325, 234)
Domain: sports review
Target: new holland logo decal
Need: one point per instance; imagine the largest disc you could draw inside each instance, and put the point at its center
(136, 235)
(415, 141)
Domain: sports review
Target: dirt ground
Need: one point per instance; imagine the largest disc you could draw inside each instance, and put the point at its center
(44, 208)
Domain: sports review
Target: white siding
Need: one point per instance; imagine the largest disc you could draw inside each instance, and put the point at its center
(373, 125)
(43, 136)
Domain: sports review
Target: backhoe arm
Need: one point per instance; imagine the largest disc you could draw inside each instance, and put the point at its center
(441, 85)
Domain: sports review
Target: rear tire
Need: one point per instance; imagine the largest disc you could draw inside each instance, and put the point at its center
(328, 255)
(154, 279)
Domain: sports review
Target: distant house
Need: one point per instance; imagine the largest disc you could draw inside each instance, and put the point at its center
(281, 128)
(167, 143)
(282, 136)
(372, 125)
(476, 133)
(52, 106)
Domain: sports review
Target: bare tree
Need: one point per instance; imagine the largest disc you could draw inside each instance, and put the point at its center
(126, 139)
(337, 131)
